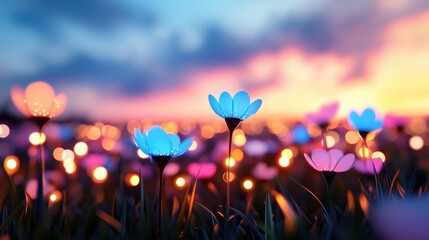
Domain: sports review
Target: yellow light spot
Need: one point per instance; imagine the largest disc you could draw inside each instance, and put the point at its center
(248, 184)
(141, 154)
(170, 127)
(11, 164)
(108, 144)
(231, 176)
(67, 155)
(69, 166)
(207, 131)
(35, 138)
(58, 153)
(111, 132)
(284, 161)
(230, 162)
(81, 149)
(132, 179)
(352, 137)
(180, 182)
(55, 196)
(194, 146)
(99, 174)
(330, 141)
(4, 131)
(93, 133)
(239, 138)
(364, 152)
(287, 153)
(237, 154)
(378, 154)
(416, 142)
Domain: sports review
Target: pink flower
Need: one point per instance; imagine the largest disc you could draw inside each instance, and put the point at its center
(324, 115)
(264, 172)
(333, 160)
(369, 165)
(202, 170)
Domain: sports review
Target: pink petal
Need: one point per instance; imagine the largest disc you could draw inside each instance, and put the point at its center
(321, 158)
(345, 163)
(336, 155)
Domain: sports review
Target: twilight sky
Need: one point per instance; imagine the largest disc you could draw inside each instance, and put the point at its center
(122, 60)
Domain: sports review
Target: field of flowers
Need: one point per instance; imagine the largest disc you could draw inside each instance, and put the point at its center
(235, 176)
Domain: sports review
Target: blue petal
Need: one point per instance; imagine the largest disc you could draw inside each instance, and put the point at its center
(368, 114)
(158, 142)
(140, 140)
(225, 102)
(252, 109)
(175, 141)
(215, 106)
(184, 146)
(240, 104)
(354, 120)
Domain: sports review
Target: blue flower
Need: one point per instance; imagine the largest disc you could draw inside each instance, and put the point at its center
(238, 107)
(156, 142)
(366, 122)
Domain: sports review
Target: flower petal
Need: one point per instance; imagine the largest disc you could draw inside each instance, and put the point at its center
(59, 105)
(18, 99)
(175, 141)
(252, 109)
(215, 106)
(225, 102)
(345, 163)
(158, 142)
(184, 146)
(354, 120)
(336, 155)
(40, 97)
(241, 102)
(321, 158)
(140, 140)
(310, 161)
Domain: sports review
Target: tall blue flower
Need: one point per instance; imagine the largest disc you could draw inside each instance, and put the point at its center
(366, 122)
(161, 146)
(234, 109)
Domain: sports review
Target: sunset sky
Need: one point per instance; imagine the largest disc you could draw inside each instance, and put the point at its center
(122, 60)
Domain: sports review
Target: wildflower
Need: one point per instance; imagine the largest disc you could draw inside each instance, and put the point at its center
(161, 146)
(366, 122)
(202, 170)
(300, 134)
(369, 166)
(38, 101)
(330, 162)
(324, 115)
(264, 172)
(234, 109)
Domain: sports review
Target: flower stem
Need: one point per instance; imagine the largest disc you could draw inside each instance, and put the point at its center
(228, 187)
(40, 203)
(160, 203)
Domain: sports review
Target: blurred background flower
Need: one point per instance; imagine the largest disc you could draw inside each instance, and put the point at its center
(333, 160)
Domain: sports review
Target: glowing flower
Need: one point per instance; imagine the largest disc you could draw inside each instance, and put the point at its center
(202, 170)
(324, 114)
(156, 142)
(369, 166)
(300, 134)
(333, 160)
(38, 100)
(234, 109)
(264, 172)
(366, 122)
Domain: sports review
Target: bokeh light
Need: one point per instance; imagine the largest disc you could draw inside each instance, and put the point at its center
(67, 155)
(284, 161)
(69, 166)
(100, 175)
(239, 138)
(230, 162)
(4, 131)
(247, 184)
(80, 149)
(55, 196)
(35, 138)
(378, 154)
(364, 152)
(416, 142)
(194, 146)
(141, 154)
(58, 153)
(352, 137)
(287, 152)
(237, 154)
(180, 182)
(11, 164)
(231, 176)
(132, 179)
